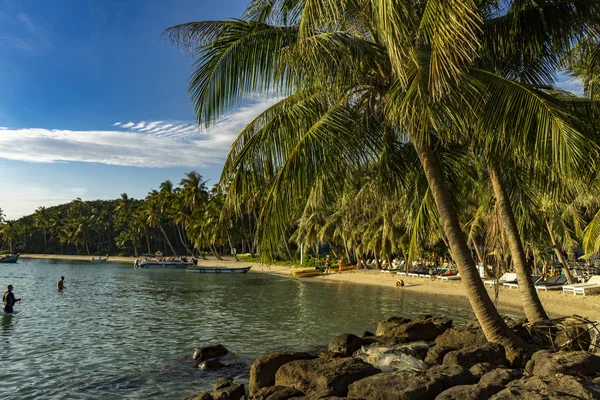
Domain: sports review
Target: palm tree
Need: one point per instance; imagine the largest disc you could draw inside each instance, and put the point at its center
(10, 230)
(155, 207)
(351, 72)
(41, 219)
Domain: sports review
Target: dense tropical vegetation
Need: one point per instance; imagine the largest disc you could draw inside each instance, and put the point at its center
(177, 220)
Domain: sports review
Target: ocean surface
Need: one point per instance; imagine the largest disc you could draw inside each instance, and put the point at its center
(116, 332)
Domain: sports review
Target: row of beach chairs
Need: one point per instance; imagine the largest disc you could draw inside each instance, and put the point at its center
(509, 279)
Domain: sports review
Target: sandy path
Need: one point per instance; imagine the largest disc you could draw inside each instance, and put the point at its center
(555, 303)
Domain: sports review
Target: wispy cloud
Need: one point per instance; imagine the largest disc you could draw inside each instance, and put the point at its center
(165, 144)
(19, 31)
(570, 84)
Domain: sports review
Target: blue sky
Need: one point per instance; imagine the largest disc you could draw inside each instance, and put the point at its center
(94, 103)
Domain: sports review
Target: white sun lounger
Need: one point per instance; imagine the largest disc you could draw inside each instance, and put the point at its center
(515, 283)
(447, 278)
(507, 277)
(582, 287)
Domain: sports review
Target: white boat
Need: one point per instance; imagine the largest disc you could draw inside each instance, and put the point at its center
(99, 259)
(161, 264)
(219, 270)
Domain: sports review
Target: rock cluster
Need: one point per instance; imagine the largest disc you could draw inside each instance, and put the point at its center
(457, 363)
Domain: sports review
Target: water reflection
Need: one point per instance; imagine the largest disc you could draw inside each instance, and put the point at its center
(116, 332)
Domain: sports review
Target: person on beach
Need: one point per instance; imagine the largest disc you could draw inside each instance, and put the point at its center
(399, 283)
(61, 283)
(327, 265)
(340, 265)
(9, 300)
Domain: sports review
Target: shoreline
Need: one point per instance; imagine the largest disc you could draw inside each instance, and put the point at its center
(556, 303)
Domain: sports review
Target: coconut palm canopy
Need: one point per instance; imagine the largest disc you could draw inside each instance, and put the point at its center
(385, 94)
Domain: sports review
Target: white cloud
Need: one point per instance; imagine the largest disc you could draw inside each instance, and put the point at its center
(116, 124)
(570, 84)
(164, 145)
(139, 125)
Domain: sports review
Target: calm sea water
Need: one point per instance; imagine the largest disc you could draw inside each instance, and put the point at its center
(116, 332)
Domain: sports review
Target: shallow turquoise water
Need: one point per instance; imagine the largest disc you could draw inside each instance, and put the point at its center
(116, 332)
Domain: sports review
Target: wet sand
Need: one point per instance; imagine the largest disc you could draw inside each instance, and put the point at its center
(555, 302)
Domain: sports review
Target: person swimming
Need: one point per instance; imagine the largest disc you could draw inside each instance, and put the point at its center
(61, 283)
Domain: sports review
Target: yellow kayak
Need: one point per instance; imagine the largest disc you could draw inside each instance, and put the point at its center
(303, 273)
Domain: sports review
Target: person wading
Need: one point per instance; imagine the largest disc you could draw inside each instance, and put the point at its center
(9, 300)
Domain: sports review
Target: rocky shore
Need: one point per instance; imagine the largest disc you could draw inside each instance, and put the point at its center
(425, 358)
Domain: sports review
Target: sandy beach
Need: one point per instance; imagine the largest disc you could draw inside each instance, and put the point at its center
(555, 302)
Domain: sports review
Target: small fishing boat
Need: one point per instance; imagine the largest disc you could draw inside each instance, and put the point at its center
(9, 258)
(99, 259)
(161, 264)
(305, 273)
(219, 270)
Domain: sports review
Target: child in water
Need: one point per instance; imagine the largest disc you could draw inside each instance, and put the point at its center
(61, 283)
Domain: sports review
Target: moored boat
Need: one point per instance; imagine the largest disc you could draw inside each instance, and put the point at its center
(304, 273)
(9, 258)
(161, 264)
(219, 270)
(99, 259)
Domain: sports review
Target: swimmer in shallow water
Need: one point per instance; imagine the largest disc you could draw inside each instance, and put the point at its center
(61, 283)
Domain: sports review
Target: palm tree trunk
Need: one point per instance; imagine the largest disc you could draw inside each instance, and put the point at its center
(559, 254)
(216, 253)
(147, 241)
(181, 238)
(534, 311)
(478, 252)
(167, 239)
(494, 327)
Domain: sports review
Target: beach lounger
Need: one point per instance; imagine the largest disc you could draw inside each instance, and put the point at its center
(447, 278)
(515, 283)
(587, 289)
(553, 283)
(507, 277)
(593, 281)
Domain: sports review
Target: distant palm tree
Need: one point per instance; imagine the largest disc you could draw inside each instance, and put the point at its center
(41, 218)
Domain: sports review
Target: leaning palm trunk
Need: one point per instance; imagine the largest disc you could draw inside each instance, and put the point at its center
(494, 327)
(559, 254)
(534, 311)
(167, 239)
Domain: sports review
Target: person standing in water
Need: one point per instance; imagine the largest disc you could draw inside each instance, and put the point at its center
(61, 283)
(9, 300)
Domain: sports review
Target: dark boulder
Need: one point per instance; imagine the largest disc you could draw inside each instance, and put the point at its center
(578, 363)
(549, 388)
(264, 368)
(346, 344)
(469, 392)
(366, 334)
(478, 370)
(425, 328)
(454, 339)
(201, 396)
(435, 355)
(500, 376)
(277, 393)
(227, 389)
(451, 375)
(322, 396)
(460, 336)
(211, 365)
(208, 352)
(383, 327)
(471, 355)
(320, 375)
(396, 386)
